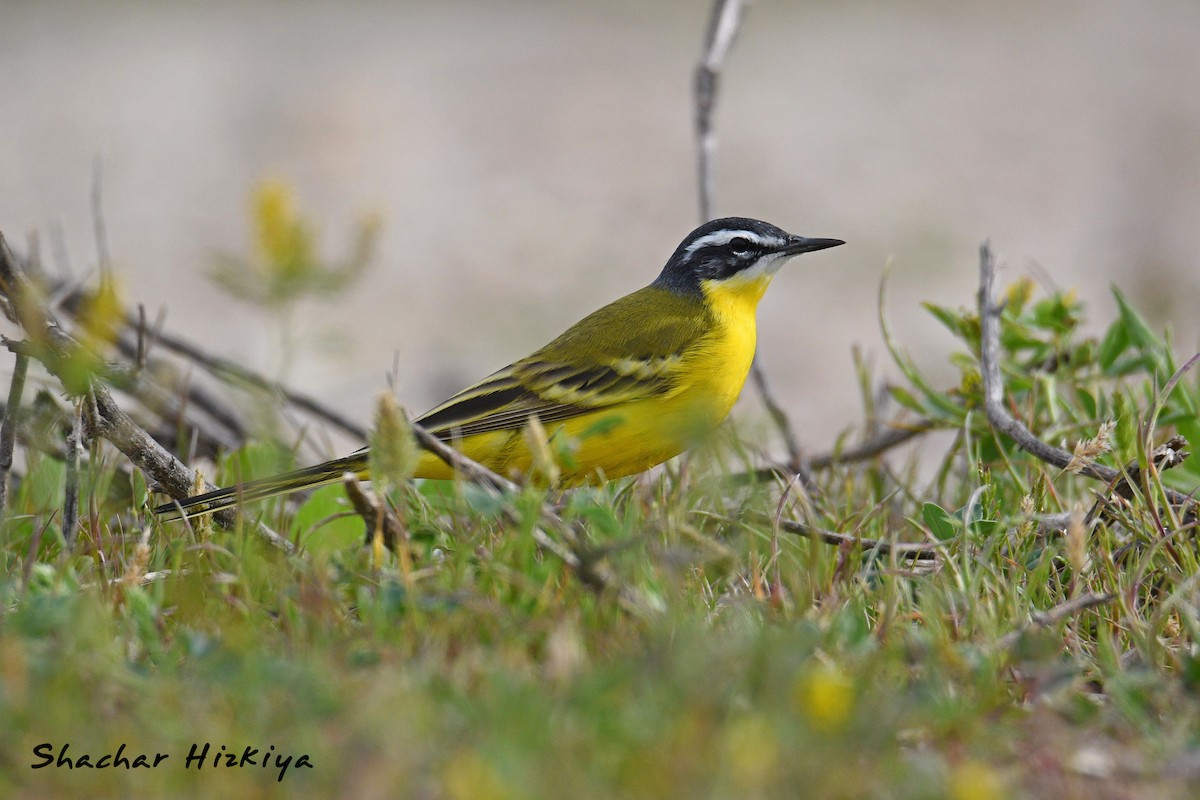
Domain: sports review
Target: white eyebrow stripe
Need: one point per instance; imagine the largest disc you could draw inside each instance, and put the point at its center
(723, 237)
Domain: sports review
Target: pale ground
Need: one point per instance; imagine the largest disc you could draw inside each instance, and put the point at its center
(533, 161)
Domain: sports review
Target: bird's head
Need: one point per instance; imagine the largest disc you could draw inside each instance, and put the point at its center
(733, 254)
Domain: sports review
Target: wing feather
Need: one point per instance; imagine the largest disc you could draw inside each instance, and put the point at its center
(626, 351)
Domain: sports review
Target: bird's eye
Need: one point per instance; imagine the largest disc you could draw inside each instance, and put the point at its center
(740, 246)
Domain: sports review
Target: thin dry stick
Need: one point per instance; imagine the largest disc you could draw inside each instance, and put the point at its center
(993, 382)
(921, 551)
(129, 343)
(8, 429)
(796, 461)
(877, 445)
(1044, 619)
(139, 353)
(134, 342)
(893, 436)
(374, 512)
(722, 30)
(471, 470)
(169, 402)
(993, 389)
(71, 476)
(230, 371)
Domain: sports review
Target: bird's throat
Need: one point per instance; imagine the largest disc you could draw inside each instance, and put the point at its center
(736, 299)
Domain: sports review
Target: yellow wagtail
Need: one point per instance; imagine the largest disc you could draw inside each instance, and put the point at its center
(636, 382)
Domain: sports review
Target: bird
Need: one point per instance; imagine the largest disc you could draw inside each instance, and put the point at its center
(634, 383)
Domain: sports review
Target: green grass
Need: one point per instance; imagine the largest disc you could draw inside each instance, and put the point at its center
(475, 664)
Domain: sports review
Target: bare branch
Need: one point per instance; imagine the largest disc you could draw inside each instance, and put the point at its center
(131, 344)
(471, 470)
(1062, 611)
(231, 371)
(796, 461)
(993, 382)
(896, 434)
(71, 477)
(722, 30)
(993, 390)
(920, 551)
(374, 512)
(8, 430)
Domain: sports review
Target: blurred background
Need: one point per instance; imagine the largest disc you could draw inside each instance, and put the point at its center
(532, 161)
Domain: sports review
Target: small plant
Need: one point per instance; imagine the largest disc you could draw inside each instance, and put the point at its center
(285, 266)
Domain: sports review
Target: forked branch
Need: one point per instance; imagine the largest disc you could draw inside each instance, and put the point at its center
(1005, 423)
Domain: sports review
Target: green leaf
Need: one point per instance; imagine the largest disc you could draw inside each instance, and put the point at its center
(906, 399)
(1116, 339)
(1152, 348)
(952, 320)
(940, 522)
(1088, 401)
(1125, 413)
(1056, 313)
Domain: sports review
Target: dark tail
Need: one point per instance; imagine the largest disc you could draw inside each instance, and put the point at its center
(221, 499)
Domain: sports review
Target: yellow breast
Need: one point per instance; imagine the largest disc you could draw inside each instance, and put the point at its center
(722, 362)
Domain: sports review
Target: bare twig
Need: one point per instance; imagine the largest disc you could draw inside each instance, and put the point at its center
(471, 470)
(70, 519)
(374, 512)
(993, 382)
(1044, 619)
(139, 354)
(221, 429)
(993, 390)
(134, 342)
(796, 461)
(920, 551)
(8, 429)
(130, 344)
(896, 434)
(231, 371)
(1166, 456)
(722, 30)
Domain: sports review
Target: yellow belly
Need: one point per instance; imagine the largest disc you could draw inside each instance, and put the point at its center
(632, 437)
(618, 441)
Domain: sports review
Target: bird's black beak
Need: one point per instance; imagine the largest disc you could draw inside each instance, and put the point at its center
(802, 244)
